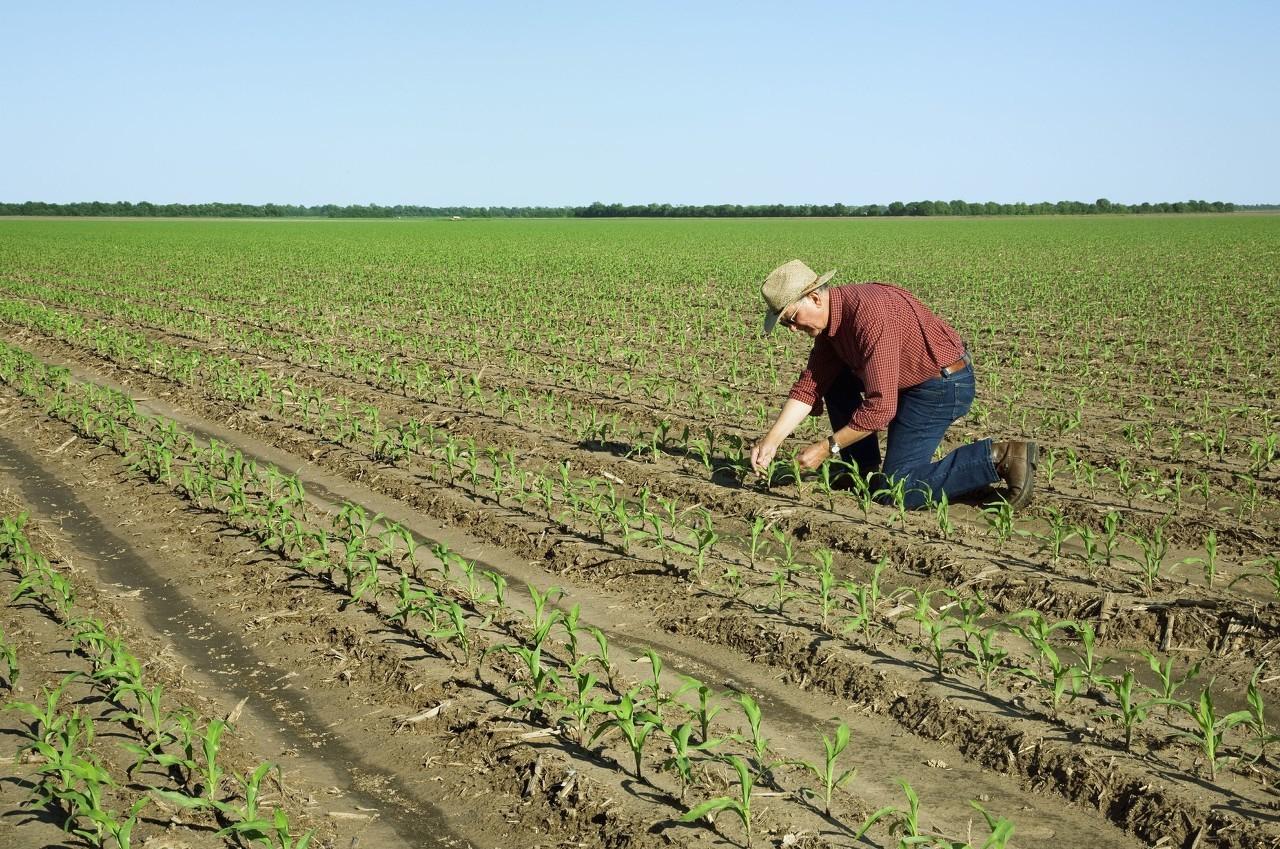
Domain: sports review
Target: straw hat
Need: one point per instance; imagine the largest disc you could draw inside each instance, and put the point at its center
(787, 284)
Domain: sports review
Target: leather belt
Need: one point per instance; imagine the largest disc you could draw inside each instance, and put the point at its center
(959, 365)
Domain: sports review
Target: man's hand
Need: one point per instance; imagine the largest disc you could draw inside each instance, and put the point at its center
(762, 454)
(814, 455)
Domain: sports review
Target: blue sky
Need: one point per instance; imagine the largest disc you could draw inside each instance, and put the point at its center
(565, 103)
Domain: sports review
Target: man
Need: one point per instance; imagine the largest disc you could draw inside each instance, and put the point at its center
(882, 361)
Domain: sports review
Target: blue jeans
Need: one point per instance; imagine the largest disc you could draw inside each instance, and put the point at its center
(925, 411)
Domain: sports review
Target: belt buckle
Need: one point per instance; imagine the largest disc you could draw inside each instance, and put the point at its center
(965, 360)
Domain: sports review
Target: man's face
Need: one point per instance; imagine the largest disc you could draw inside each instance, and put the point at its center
(808, 315)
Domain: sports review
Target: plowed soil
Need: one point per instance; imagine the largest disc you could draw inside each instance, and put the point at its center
(384, 741)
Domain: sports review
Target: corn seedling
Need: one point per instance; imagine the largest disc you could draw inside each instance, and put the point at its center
(1110, 536)
(894, 493)
(8, 657)
(204, 774)
(1169, 683)
(1130, 711)
(902, 822)
(545, 616)
(933, 626)
(830, 776)
(985, 654)
(705, 539)
(867, 596)
(1090, 663)
(118, 827)
(680, 761)
(705, 711)
(739, 806)
(1153, 549)
(633, 722)
(1060, 531)
(759, 743)
(1001, 831)
(581, 706)
(541, 683)
(999, 518)
(1257, 716)
(276, 833)
(1210, 727)
(1210, 560)
(44, 709)
(827, 600)
(758, 526)
(601, 657)
(1270, 572)
(781, 595)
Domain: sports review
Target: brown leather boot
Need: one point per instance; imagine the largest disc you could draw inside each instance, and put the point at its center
(1016, 465)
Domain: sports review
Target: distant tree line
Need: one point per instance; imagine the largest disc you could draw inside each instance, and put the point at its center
(897, 208)
(611, 210)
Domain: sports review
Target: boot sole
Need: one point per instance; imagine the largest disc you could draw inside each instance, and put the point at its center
(1028, 480)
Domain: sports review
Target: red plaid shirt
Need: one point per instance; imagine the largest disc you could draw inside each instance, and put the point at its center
(889, 339)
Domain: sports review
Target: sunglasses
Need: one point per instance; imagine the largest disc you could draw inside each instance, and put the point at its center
(790, 320)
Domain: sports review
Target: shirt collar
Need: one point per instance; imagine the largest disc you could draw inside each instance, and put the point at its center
(835, 299)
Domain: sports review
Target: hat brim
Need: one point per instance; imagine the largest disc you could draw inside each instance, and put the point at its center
(771, 318)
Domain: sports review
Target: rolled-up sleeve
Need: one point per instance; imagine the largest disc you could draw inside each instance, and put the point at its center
(823, 367)
(883, 345)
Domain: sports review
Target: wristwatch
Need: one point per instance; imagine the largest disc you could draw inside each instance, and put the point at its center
(833, 445)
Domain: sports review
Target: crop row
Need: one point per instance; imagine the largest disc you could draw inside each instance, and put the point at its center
(218, 480)
(1212, 431)
(171, 746)
(461, 615)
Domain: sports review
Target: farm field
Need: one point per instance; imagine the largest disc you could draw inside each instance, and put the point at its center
(442, 533)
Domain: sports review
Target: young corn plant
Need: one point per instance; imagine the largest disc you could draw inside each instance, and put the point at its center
(827, 599)
(739, 806)
(1257, 722)
(704, 538)
(634, 723)
(1130, 711)
(1090, 663)
(1110, 536)
(759, 743)
(758, 527)
(1210, 560)
(1210, 727)
(581, 705)
(9, 661)
(1060, 531)
(680, 761)
(904, 822)
(545, 615)
(105, 824)
(867, 596)
(1061, 676)
(999, 518)
(984, 653)
(1269, 572)
(601, 657)
(933, 627)
(1154, 548)
(705, 710)
(828, 773)
(1170, 683)
(541, 684)
(894, 493)
(942, 517)
(204, 773)
(276, 832)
